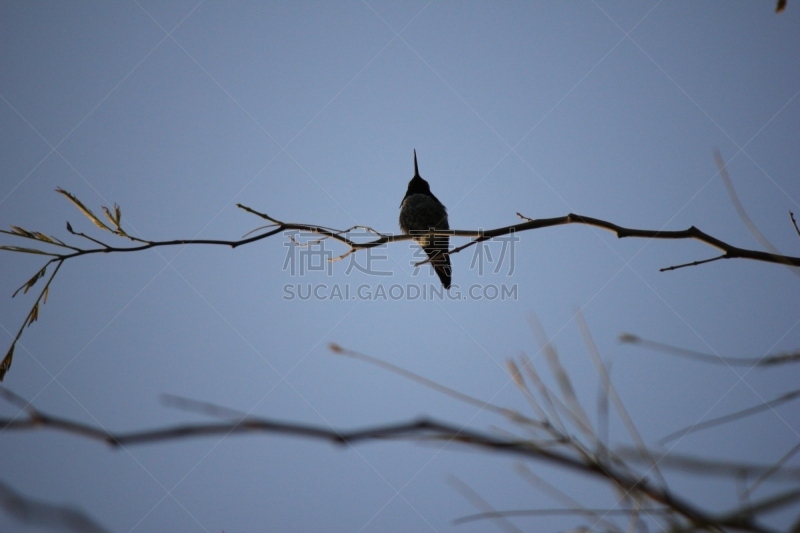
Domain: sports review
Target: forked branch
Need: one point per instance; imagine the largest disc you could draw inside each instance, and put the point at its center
(59, 252)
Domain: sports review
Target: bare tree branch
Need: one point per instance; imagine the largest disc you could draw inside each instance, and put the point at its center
(710, 467)
(600, 519)
(789, 396)
(590, 513)
(776, 469)
(611, 392)
(479, 502)
(33, 314)
(275, 226)
(513, 415)
(761, 360)
(794, 223)
(423, 430)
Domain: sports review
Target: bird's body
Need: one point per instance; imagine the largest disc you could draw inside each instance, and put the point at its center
(421, 211)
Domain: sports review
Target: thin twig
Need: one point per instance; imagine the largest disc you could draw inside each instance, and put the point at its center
(692, 264)
(608, 385)
(794, 223)
(557, 512)
(438, 387)
(557, 494)
(738, 206)
(740, 210)
(33, 315)
(762, 360)
(479, 502)
(710, 467)
(773, 470)
(789, 396)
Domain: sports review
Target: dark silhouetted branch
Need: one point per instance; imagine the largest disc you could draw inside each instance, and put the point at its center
(64, 252)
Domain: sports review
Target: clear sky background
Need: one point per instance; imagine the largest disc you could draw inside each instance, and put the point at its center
(310, 112)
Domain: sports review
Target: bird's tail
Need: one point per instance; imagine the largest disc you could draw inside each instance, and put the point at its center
(441, 264)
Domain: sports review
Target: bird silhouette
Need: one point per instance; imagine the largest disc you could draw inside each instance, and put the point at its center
(421, 211)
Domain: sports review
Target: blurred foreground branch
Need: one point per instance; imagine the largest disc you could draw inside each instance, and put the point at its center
(47, 515)
(423, 430)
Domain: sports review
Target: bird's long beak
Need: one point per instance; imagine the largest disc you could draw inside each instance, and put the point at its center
(416, 171)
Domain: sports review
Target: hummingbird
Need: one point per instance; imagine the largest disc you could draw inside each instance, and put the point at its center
(421, 211)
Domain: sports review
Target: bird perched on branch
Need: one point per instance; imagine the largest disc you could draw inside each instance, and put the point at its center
(421, 211)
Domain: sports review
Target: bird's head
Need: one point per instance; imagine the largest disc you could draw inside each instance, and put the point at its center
(417, 185)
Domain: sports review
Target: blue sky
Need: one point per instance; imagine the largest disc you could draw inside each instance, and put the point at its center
(310, 112)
